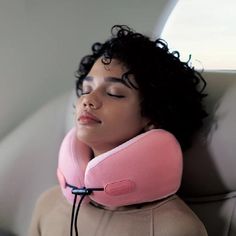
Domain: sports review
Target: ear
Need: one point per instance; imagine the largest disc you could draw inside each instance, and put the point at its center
(148, 125)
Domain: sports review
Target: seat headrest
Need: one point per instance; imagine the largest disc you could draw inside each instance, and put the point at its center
(209, 166)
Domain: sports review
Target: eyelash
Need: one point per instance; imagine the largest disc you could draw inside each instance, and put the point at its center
(117, 96)
(109, 94)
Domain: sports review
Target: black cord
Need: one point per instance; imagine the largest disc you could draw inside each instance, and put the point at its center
(74, 215)
(77, 213)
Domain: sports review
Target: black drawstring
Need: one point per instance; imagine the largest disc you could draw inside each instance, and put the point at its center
(74, 215)
(77, 213)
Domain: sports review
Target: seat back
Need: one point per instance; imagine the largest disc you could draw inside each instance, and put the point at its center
(209, 177)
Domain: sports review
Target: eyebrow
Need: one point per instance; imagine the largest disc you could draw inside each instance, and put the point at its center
(109, 79)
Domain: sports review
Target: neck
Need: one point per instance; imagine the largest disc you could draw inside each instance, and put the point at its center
(98, 150)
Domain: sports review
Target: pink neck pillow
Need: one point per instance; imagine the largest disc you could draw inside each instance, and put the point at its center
(143, 169)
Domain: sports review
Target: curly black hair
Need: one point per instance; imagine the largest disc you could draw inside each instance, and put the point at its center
(171, 90)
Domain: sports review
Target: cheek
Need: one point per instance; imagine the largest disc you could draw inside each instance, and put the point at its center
(127, 114)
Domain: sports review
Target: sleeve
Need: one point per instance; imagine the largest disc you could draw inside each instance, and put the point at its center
(176, 219)
(44, 205)
(34, 228)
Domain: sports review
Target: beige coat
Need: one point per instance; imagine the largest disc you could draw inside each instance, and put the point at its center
(169, 217)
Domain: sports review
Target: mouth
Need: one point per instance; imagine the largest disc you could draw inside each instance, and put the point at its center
(87, 118)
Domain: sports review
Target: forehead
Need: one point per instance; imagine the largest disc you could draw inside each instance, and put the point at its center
(113, 72)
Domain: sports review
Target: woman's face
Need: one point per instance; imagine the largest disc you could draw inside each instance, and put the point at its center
(108, 112)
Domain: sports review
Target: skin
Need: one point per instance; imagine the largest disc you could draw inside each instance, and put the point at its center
(108, 112)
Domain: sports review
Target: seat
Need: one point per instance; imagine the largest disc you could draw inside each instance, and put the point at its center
(28, 163)
(29, 160)
(209, 177)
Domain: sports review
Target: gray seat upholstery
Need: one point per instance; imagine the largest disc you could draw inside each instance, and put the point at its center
(209, 178)
(28, 160)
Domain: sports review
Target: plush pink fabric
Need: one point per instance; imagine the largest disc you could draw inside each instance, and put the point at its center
(143, 169)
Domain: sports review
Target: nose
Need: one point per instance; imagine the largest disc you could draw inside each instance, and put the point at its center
(91, 101)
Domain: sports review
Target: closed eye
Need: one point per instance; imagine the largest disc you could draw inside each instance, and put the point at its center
(115, 95)
(81, 92)
(84, 93)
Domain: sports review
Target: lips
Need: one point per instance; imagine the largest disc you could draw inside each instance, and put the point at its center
(88, 118)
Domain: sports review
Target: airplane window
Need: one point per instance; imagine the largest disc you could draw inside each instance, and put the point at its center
(206, 31)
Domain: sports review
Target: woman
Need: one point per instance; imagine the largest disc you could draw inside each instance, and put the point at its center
(128, 86)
